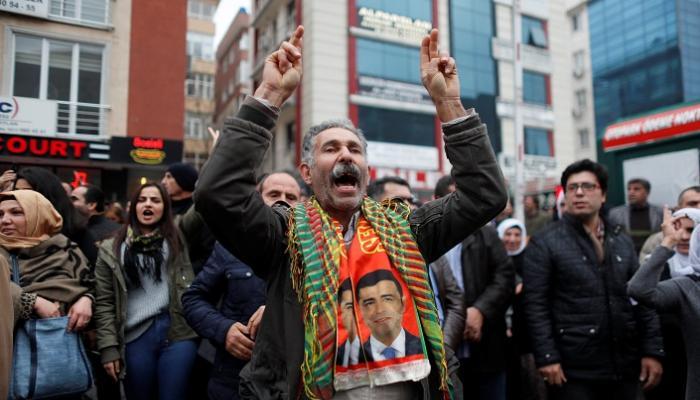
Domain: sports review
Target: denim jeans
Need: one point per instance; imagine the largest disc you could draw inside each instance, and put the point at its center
(157, 368)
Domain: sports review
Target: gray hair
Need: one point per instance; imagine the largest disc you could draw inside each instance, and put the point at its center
(307, 146)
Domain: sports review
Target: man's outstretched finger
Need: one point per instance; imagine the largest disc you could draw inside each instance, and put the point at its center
(433, 49)
(425, 50)
(295, 40)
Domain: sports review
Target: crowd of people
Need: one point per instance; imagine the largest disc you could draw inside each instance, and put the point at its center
(225, 284)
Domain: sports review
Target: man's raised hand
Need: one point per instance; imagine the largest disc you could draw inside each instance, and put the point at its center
(282, 71)
(439, 76)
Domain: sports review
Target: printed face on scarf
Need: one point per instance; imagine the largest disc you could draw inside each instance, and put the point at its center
(149, 207)
(686, 225)
(382, 309)
(512, 239)
(347, 313)
(339, 173)
(12, 219)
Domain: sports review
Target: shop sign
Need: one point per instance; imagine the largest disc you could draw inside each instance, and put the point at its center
(392, 90)
(146, 151)
(35, 8)
(64, 149)
(25, 116)
(392, 26)
(650, 128)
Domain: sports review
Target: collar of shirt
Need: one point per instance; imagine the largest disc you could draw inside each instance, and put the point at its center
(399, 345)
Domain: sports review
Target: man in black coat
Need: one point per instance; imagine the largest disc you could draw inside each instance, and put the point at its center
(89, 200)
(589, 340)
(486, 275)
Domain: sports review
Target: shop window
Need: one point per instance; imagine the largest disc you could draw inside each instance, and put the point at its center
(73, 79)
(534, 31)
(538, 142)
(535, 88)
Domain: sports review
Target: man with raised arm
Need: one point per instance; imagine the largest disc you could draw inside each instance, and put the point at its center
(305, 253)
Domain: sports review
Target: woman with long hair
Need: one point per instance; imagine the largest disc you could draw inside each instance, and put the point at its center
(74, 224)
(141, 275)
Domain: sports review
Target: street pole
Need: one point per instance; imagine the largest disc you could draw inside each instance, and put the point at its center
(518, 187)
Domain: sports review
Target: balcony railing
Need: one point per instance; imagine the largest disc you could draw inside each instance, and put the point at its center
(82, 118)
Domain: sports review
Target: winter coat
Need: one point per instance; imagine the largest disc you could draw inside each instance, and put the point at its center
(577, 309)
(226, 291)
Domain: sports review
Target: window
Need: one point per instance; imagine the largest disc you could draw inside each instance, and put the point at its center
(388, 61)
(194, 125)
(535, 88)
(200, 10)
(200, 46)
(200, 85)
(584, 139)
(383, 125)
(86, 11)
(538, 142)
(581, 99)
(69, 73)
(576, 21)
(534, 32)
(579, 63)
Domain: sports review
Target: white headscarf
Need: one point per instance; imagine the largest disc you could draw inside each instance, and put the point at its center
(513, 223)
(682, 265)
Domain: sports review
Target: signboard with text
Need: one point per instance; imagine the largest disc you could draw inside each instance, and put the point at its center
(52, 148)
(392, 90)
(392, 26)
(671, 123)
(35, 8)
(145, 151)
(25, 116)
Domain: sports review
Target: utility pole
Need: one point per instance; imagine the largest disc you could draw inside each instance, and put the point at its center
(518, 187)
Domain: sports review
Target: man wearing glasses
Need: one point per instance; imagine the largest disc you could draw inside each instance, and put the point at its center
(589, 340)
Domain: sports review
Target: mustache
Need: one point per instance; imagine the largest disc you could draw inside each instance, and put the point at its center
(346, 169)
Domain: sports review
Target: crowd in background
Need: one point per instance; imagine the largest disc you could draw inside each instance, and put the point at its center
(155, 295)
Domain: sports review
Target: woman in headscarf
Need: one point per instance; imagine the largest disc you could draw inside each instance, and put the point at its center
(54, 277)
(141, 276)
(74, 224)
(679, 295)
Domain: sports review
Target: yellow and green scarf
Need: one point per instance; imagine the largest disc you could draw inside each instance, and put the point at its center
(315, 249)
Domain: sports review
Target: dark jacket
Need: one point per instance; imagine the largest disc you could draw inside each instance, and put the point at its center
(225, 292)
(489, 283)
(452, 300)
(199, 238)
(257, 235)
(578, 311)
(101, 227)
(110, 303)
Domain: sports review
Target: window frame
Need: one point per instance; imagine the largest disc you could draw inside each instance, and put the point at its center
(79, 11)
(46, 37)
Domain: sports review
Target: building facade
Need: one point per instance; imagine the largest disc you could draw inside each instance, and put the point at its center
(645, 57)
(78, 92)
(199, 82)
(233, 69)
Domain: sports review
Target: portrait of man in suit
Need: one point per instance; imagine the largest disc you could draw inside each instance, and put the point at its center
(348, 351)
(382, 304)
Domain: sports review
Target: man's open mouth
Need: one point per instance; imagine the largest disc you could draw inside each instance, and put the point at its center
(346, 177)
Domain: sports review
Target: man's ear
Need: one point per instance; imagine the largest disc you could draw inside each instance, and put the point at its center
(305, 171)
(92, 207)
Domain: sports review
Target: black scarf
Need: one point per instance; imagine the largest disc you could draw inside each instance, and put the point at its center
(144, 255)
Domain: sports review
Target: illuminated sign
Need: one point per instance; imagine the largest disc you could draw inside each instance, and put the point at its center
(79, 178)
(35, 8)
(391, 26)
(25, 116)
(146, 151)
(29, 146)
(676, 122)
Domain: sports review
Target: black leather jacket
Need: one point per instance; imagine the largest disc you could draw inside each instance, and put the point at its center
(577, 309)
